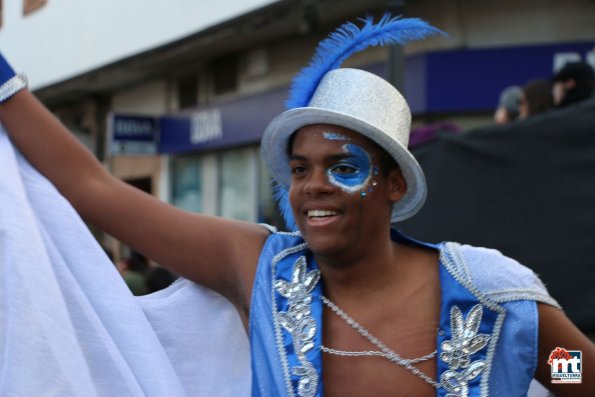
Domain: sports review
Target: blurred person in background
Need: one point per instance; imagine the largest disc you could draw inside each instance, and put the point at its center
(573, 83)
(508, 105)
(536, 98)
(134, 271)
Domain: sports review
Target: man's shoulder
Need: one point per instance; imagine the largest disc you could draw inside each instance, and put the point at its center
(495, 274)
(284, 238)
(280, 243)
(494, 263)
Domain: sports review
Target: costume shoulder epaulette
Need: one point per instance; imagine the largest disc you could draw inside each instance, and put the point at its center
(499, 277)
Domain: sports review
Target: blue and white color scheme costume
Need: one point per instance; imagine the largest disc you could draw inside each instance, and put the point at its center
(487, 337)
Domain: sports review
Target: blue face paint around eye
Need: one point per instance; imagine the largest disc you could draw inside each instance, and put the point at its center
(353, 173)
(334, 136)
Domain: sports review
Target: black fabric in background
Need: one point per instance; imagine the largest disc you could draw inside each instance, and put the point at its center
(526, 189)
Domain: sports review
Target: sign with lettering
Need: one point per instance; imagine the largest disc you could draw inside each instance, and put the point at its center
(133, 135)
(232, 123)
(205, 126)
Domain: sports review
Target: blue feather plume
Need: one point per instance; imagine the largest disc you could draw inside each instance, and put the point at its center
(349, 39)
(282, 197)
(331, 52)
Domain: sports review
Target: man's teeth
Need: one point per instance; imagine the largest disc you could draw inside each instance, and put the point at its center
(320, 213)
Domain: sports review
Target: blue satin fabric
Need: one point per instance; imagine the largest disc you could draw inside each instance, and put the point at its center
(515, 359)
(508, 374)
(453, 294)
(268, 368)
(6, 71)
(268, 379)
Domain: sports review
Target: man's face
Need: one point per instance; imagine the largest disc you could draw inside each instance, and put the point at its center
(523, 108)
(558, 92)
(340, 197)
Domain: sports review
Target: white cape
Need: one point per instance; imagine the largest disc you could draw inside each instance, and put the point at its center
(69, 326)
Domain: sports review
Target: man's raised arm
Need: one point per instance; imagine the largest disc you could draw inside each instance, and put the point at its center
(217, 253)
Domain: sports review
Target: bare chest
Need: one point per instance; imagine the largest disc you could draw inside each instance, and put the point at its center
(374, 377)
(388, 352)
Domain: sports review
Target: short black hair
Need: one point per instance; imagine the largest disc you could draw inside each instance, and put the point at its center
(581, 72)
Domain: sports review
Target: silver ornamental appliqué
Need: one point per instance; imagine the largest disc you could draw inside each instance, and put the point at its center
(298, 321)
(457, 351)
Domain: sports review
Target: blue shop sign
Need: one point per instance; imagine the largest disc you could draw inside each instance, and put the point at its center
(471, 80)
(233, 123)
(133, 134)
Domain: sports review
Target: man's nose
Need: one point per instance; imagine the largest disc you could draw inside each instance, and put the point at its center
(319, 183)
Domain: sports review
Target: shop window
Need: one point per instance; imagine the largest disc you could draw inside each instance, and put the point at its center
(188, 91)
(145, 184)
(240, 188)
(238, 184)
(187, 183)
(257, 63)
(30, 6)
(224, 72)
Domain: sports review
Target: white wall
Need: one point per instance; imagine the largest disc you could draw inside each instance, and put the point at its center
(148, 98)
(68, 37)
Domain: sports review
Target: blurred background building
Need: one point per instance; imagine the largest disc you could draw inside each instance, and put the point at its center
(174, 95)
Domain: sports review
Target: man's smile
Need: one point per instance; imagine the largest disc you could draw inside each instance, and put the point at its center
(321, 213)
(320, 217)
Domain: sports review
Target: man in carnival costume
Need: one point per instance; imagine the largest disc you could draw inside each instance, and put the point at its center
(344, 304)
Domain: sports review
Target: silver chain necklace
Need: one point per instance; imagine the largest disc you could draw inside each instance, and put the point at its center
(385, 351)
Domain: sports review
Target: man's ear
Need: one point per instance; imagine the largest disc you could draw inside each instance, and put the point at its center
(397, 186)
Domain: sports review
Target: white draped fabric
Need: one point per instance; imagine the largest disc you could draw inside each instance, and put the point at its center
(69, 325)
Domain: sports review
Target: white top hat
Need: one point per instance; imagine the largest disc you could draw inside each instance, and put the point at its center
(364, 103)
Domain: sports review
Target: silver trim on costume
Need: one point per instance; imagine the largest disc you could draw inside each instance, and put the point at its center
(455, 264)
(298, 321)
(12, 86)
(516, 294)
(459, 269)
(278, 321)
(457, 351)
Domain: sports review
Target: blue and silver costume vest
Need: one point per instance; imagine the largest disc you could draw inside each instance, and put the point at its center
(487, 338)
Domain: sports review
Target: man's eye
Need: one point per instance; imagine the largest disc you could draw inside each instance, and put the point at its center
(298, 169)
(344, 169)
